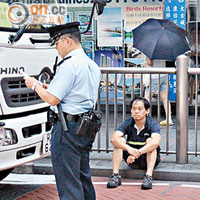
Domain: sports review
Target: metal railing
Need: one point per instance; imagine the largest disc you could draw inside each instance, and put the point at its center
(117, 106)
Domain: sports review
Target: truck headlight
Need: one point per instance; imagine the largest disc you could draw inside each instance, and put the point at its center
(7, 137)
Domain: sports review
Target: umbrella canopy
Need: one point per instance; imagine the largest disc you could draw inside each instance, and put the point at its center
(160, 39)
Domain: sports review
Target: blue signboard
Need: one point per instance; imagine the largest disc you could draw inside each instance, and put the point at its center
(175, 10)
(88, 47)
(110, 58)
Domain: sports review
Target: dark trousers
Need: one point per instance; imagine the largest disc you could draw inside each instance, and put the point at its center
(70, 159)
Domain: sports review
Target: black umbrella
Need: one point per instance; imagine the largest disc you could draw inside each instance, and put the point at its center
(160, 39)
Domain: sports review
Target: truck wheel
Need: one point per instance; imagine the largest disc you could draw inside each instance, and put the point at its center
(5, 173)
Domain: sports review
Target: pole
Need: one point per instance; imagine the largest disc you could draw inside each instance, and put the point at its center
(182, 110)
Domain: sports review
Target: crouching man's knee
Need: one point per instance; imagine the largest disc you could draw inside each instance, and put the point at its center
(148, 140)
(155, 145)
(112, 140)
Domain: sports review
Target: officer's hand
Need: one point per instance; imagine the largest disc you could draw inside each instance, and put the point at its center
(45, 86)
(134, 152)
(130, 159)
(29, 81)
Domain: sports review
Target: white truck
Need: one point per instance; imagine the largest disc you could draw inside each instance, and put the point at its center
(24, 131)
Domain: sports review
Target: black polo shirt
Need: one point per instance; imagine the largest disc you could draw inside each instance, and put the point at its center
(134, 140)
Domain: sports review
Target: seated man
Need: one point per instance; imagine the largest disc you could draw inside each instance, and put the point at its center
(141, 149)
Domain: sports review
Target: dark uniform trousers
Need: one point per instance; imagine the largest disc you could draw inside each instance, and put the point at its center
(70, 159)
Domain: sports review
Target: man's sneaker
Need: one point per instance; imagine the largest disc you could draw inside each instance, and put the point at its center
(115, 180)
(147, 182)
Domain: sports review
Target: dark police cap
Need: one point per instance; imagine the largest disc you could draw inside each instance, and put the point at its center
(56, 31)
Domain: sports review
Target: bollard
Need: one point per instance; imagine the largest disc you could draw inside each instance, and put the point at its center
(182, 110)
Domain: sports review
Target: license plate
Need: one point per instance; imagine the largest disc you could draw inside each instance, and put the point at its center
(46, 143)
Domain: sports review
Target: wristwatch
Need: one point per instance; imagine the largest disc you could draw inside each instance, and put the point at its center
(36, 83)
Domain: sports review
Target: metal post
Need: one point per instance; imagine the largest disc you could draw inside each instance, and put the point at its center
(182, 110)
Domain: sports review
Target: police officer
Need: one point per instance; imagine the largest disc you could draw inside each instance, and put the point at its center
(75, 87)
(141, 149)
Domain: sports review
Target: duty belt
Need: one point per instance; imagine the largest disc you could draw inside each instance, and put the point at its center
(71, 118)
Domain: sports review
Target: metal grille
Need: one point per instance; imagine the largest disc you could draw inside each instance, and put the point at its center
(16, 84)
(17, 94)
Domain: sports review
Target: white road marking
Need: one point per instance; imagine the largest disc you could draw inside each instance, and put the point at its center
(131, 183)
(28, 179)
(191, 186)
(26, 183)
(39, 182)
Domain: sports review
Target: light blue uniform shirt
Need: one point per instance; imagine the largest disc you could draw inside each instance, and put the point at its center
(76, 83)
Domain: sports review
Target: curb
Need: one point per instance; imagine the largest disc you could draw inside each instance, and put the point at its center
(103, 168)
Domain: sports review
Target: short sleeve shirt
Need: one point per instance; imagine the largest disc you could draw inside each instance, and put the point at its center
(76, 83)
(127, 128)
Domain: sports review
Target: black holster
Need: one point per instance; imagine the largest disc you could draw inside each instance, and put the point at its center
(89, 123)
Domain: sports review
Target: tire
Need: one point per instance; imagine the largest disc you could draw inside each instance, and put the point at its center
(5, 173)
